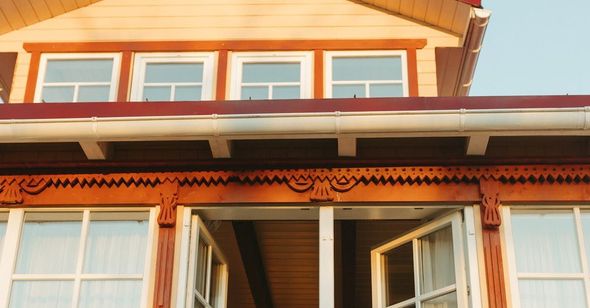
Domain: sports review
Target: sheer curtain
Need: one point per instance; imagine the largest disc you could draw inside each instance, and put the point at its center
(2, 234)
(437, 267)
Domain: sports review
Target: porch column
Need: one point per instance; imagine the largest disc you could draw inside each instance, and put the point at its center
(326, 256)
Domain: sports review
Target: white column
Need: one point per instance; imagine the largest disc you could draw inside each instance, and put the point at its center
(326, 257)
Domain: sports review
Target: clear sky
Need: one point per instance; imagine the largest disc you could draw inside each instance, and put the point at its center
(535, 47)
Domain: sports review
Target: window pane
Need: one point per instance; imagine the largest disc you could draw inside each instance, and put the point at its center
(83, 70)
(58, 94)
(285, 92)
(386, 90)
(174, 72)
(215, 277)
(551, 293)
(187, 93)
(116, 247)
(112, 294)
(586, 230)
(2, 233)
(437, 265)
(254, 93)
(41, 294)
(93, 93)
(155, 94)
(545, 243)
(201, 267)
(271, 72)
(348, 90)
(367, 68)
(445, 301)
(48, 247)
(399, 272)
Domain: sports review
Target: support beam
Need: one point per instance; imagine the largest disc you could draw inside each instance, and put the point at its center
(347, 146)
(326, 256)
(95, 150)
(247, 239)
(348, 246)
(477, 145)
(220, 148)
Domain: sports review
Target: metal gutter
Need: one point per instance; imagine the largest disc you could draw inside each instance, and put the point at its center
(471, 48)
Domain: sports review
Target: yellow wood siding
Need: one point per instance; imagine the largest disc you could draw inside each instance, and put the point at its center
(147, 20)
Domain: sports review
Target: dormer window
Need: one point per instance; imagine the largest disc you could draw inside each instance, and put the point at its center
(77, 78)
(173, 77)
(284, 75)
(366, 74)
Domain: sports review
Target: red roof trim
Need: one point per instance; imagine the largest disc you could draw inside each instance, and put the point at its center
(475, 3)
(87, 110)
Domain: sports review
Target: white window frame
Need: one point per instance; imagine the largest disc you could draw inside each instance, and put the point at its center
(238, 59)
(378, 279)
(8, 259)
(330, 55)
(583, 276)
(142, 59)
(114, 83)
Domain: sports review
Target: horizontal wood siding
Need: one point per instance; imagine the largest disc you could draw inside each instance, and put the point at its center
(149, 20)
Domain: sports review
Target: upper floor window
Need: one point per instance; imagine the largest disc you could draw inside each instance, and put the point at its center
(277, 75)
(77, 78)
(366, 74)
(173, 77)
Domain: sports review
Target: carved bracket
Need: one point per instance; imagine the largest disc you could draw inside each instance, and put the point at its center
(168, 204)
(490, 201)
(322, 189)
(11, 190)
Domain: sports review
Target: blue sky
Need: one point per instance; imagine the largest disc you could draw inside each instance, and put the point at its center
(535, 47)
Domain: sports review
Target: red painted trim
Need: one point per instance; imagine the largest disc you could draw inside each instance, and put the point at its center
(32, 78)
(412, 72)
(164, 268)
(494, 269)
(221, 85)
(318, 74)
(475, 3)
(84, 110)
(124, 77)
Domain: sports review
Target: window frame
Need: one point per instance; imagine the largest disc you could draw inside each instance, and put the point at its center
(45, 57)
(238, 59)
(143, 58)
(510, 252)
(328, 71)
(9, 257)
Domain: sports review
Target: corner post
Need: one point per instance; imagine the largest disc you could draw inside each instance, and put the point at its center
(166, 237)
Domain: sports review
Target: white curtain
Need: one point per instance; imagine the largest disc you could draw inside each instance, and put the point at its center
(551, 293)
(110, 294)
(444, 301)
(2, 234)
(41, 294)
(437, 266)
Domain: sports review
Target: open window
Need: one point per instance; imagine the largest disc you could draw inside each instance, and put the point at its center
(422, 268)
(208, 271)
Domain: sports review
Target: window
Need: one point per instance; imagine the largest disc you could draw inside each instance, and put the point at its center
(173, 77)
(366, 74)
(423, 268)
(548, 255)
(3, 222)
(285, 75)
(77, 78)
(207, 269)
(77, 259)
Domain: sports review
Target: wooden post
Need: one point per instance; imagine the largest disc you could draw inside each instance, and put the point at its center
(327, 256)
(165, 258)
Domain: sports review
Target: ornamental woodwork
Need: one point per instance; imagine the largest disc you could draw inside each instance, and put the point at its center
(167, 216)
(490, 202)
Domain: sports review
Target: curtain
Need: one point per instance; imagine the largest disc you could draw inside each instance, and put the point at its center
(41, 294)
(437, 266)
(110, 294)
(2, 235)
(551, 293)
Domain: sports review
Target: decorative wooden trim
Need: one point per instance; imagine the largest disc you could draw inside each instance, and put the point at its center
(490, 201)
(412, 72)
(494, 267)
(318, 74)
(233, 45)
(168, 204)
(32, 77)
(221, 83)
(166, 238)
(124, 77)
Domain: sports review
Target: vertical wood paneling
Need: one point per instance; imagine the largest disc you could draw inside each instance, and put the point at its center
(12, 14)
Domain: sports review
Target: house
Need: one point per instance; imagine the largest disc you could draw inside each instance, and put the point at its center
(279, 153)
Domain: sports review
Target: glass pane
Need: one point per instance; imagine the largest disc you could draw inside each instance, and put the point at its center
(348, 91)
(112, 294)
(116, 247)
(2, 234)
(81, 70)
(386, 90)
(586, 230)
(437, 266)
(201, 267)
(156, 94)
(174, 72)
(187, 93)
(48, 247)
(285, 92)
(445, 301)
(399, 272)
(215, 276)
(551, 293)
(254, 93)
(41, 294)
(545, 242)
(57, 94)
(93, 93)
(271, 72)
(367, 68)
(198, 304)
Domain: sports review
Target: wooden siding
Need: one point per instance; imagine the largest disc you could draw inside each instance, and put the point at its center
(149, 20)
